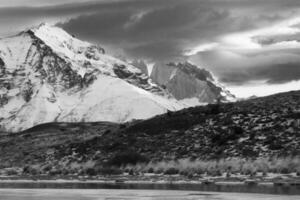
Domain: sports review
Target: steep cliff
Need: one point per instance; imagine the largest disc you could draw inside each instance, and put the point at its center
(189, 83)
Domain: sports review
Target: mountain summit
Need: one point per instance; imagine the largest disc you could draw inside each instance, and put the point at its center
(47, 75)
(189, 83)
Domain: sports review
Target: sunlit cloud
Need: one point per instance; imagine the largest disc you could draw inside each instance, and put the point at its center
(242, 41)
(261, 88)
(201, 48)
(40, 3)
(134, 19)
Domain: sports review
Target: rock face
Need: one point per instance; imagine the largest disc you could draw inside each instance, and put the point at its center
(188, 82)
(47, 75)
(140, 64)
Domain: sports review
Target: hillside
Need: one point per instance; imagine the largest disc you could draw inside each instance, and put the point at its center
(266, 127)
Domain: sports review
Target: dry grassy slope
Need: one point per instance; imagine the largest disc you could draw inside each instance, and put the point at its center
(36, 144)
(262, 127)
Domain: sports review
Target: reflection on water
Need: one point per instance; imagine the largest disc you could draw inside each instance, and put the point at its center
(120, 194)
(263, 189)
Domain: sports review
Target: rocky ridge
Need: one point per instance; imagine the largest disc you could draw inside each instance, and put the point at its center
(188, 82)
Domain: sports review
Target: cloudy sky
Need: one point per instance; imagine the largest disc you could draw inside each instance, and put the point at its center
(252, 46)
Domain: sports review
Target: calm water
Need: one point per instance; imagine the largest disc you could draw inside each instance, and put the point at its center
(263, 189)
(121, 194)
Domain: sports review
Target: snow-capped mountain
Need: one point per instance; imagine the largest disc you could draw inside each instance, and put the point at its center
(48, 75)
(189, 83)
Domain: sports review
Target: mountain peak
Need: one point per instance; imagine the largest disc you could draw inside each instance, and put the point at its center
(43, 27)
(65, 44)
(43, 24)
(49, 33)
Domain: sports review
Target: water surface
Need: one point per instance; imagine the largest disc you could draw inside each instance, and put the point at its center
(262, 189)
(121, 194)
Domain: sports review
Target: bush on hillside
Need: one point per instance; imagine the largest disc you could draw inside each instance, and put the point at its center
(171, 171)
(125, 158)
(108, 171)
(91, 172)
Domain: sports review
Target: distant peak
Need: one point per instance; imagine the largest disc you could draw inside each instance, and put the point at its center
(38, 27)
(50, 33)
(43, 24)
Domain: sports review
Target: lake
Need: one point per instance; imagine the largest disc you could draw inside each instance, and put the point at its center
(123, 194)
(233, 188)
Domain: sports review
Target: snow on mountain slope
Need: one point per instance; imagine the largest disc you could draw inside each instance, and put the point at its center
(48, 75)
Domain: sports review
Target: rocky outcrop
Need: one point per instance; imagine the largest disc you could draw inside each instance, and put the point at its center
(92, 52)
(2, 69)
(138, 79)
(4, 84)
(187, 81)
(50, 67)
(140, 64)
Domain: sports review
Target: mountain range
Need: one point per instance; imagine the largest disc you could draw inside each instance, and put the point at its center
(48, 75)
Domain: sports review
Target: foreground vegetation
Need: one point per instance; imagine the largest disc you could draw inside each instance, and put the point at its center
(219, 167)
(185, 167)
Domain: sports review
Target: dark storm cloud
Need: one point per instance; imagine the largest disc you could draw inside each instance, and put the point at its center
(274, 39)
(158, 32)
(274, 67)
(164, 50)
(166, 29)
(273, 74)
(168, 26)
(188, 21)
(13, 19)
(281, 73)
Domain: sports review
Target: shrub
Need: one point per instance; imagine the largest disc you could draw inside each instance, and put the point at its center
(30, 170)
(125, 158)
(47, 168)
(66, 172)
(109, 171)
(159, 171)
(54, 172)
(237, 130)
(171, 171)
(11, 172)
(214, 109)
(91, 172)
(184, 173)
(131, 172)
(214, 173)
(150, 170)
(190, 175)
(122, 126)
(285, 170)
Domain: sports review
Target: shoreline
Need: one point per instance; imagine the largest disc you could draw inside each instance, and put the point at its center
(226, 186)
(275, 179)
(166, 181)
